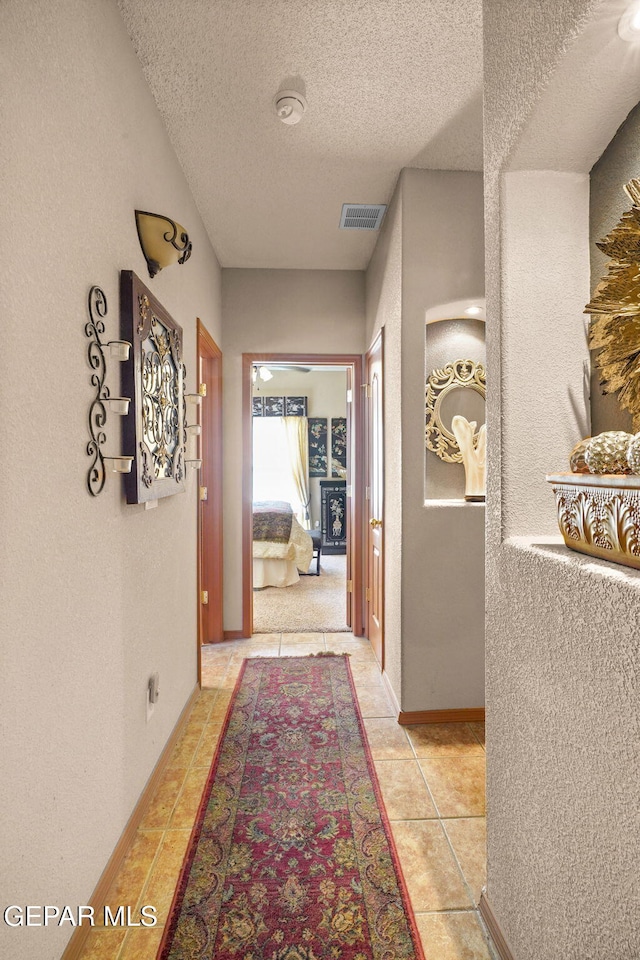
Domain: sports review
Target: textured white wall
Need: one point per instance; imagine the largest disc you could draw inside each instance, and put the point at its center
(522, 46)
(95, 594)
(562, 630)
(384, 309)
(275, 311)
(544, 345)
(442, 549)
(430, 251)
(563, 754)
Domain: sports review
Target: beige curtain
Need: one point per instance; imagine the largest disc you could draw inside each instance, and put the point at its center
(298, 444)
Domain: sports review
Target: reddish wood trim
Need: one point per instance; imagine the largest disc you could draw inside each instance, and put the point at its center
(502, 947)
(350, 459)
(247, 498)
(235, 635)
(384, 499)
(456, 715)
(379, 339)
(97, 900)
(210, 561)
(357, 478)
(358, 618)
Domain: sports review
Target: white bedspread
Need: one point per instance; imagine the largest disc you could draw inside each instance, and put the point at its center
(277, 564)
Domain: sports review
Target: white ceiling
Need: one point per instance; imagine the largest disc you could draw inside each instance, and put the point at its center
(389, 84)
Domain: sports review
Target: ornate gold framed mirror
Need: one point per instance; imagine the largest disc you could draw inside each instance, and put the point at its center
(448, 388)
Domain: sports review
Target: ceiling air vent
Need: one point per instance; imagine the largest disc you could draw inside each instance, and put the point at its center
(362, 216)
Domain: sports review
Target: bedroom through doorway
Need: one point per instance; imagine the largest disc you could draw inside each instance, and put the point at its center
(300, 469)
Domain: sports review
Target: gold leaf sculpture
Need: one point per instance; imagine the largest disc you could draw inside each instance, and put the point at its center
(615, 310)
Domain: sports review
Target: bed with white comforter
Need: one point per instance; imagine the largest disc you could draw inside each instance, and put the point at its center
(281, 547)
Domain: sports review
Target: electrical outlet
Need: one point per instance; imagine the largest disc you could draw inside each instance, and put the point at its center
(154, 687)
(153, 693)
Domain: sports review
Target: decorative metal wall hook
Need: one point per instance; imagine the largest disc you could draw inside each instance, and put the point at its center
(94, 330)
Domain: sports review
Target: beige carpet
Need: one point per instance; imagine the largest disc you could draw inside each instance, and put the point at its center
(313, 605)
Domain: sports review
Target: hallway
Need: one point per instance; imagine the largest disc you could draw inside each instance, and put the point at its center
(432, 781)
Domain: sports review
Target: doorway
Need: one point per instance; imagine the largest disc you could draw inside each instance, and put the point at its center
(348, 484)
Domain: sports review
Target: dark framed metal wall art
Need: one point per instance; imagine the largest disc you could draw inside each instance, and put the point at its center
(155, 434)
(333, 507)
(295, 406)
(317, 427)
(274, 407)
(279, 406)
(338, 446)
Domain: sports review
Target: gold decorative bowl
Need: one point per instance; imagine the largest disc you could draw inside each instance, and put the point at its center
(599, 514)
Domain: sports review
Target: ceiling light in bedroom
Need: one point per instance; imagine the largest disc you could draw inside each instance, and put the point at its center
(629, 24)
(262, 373)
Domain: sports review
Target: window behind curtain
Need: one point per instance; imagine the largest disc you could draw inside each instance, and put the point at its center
(272, 476)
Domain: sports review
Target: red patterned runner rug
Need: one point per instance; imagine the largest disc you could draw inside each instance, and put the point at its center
(291, 856)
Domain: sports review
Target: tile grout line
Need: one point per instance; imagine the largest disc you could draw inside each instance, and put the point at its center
(163, 831)
(167, 826)
(442, 827)
(468, 910)
(475, 735)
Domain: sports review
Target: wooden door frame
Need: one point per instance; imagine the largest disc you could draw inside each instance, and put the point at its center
(210, 529)
(355, 529)
(378, 339)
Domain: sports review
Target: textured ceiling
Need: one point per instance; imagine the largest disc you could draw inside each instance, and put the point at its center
(389, 84)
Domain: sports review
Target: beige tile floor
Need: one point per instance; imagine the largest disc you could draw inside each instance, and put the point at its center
(432, 782)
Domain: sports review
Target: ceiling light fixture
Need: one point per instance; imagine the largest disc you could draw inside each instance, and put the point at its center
(473, 311)
(261, 373)
(290, 106)
(629, 23)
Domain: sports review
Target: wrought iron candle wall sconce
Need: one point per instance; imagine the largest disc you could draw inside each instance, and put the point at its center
(194, 430)
(103, 401)
(163, 241)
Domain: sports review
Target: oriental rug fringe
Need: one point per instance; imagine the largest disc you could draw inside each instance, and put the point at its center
(291, 856)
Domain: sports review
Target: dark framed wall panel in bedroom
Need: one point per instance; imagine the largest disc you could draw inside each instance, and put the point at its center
(339, 447)
(333, 508)
(154, 430)
(274, 406)
(317, 427)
